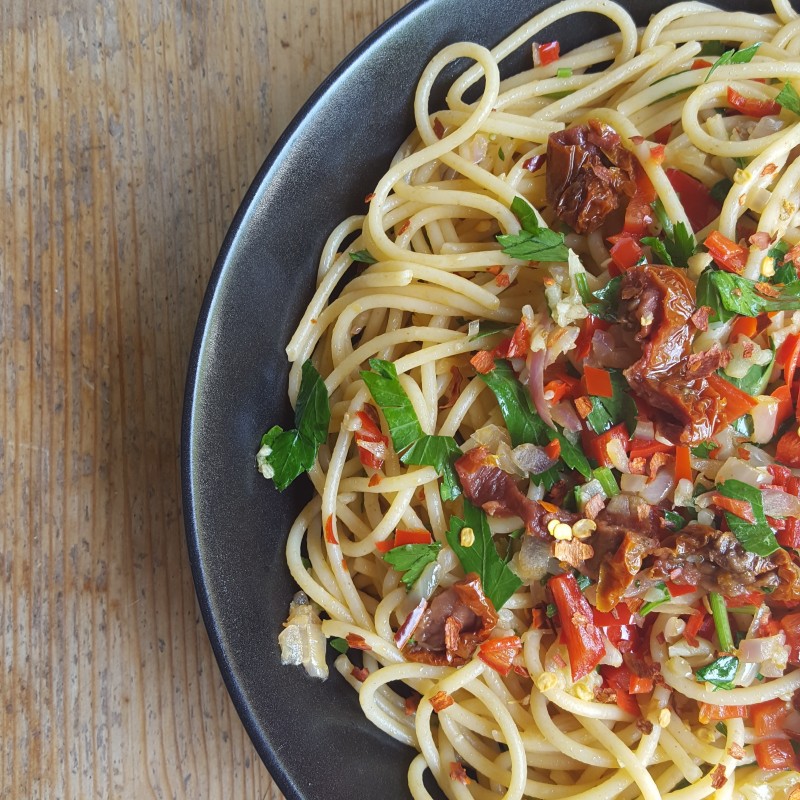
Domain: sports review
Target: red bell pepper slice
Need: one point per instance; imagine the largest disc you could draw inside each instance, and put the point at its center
(499, 654)
(639, 213)
(596, 446)
(700, 207)
(548, 52)
(775, 754)
(625, 252)
(788, 449)
(790, 535)
(768, 717)
(583, 638)
(728, 255)
(643, 448)
(583, 344)
(737, 402)
(751, 106)
(597, 381)
(402, 537)
(372, 444)
(713, 713)
(743, 326)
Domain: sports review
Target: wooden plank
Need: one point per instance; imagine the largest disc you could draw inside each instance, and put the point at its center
(130, 132)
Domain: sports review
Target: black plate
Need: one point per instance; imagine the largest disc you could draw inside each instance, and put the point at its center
(311, 735)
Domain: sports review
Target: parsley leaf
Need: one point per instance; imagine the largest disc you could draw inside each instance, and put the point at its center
(785, 271)
(497, 579)
(607, 305)
(659, 250)
(287, 454)
(411, 559)
(609, 411)
(438, 452)
(571, 454)
(364, 256)
(720, 673)
(340, 645)
(489, 328)
(675, 520)
(789, 98)
(720, 190)
(734, 57)
(737, 295)
(534, 242)
(755, 537)
(704, 449)
(712, 47)
(523, 423)
(385, 388)
(679, 244)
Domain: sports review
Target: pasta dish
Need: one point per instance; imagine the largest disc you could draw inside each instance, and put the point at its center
(547, 393)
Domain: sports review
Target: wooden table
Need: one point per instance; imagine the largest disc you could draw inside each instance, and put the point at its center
(130, 132)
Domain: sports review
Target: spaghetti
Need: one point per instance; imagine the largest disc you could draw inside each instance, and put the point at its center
(551, 421)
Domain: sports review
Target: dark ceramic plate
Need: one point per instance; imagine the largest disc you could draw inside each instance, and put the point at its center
(311, 735)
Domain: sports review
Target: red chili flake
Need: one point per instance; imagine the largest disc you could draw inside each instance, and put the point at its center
(458, 773)
(495, 270)
(769, 169)
(370, 197)
(559, 661)
(793, 254)
(736, 751)
(700, 318)
(330, 536)
(375, 479)
(637, 140)
(701, 63)
(637, 466)
(656, 462)
(657, 153)
(404, 227)
(605, 695)
(718, 778)
(453, 390)
(360, 674)
(440, 701)
(595, 505)
(743, 453)
(534, 163)
(357, 642)
(438, 128)
(412, 703)
(767, 288)
(760, 239)
(520, 670)
(344, 563)
(483, 361)
(644, 725)
(583, 406)
(503, 280)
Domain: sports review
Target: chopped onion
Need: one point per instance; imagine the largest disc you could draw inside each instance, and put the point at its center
(769, 652)
(683, 648)
(613, 657)
(683, 493)
(778, 503)
(632, 484)
(674, 629)
(645, 430)
(534, 558)
(656, 490)
(474, 328)
(618, 456)
(705, 517)
(766, 126)
(741, 471)
(758, 458)
(423, 588)
(565, 415)
(301, 640)
(532, 459)
(765, 418)
(535, 363)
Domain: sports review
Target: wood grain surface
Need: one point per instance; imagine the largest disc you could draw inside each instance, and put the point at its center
(130, 132)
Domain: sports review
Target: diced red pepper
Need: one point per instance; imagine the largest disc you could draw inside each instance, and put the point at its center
(728, 255)
(583, 344)
(740, 508)
(737, 402)
(789, 536)
(790, 625)
(683, 464)
(751, 106)
(597, 381)
(639, 213)
(788, 449)
(775, 754)
(701, 63)
(483, 361)
(792, 486)
(657, 153)
(643, 448)
(662, 134)
(583, 638)
(694, 625)
(625, 252)
(768, 717)
(713, 713)
(700, 207)
(779, 475)
(561, 387)
(402, 537)
(548, 52)
(553, 449)
(680, 589)
(743, 326)
(330, 535)
(499, 654)
(372, 444)
(596, 447)
(625, 684)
